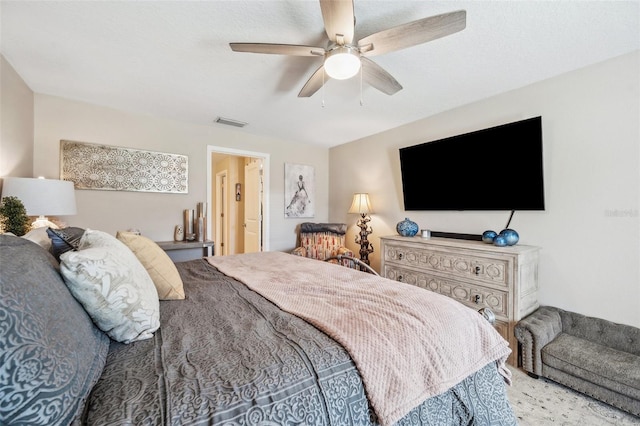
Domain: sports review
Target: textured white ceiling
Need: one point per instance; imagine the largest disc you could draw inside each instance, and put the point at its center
(172, 59)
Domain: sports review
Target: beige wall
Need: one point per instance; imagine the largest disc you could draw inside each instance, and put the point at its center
(155, 215)
(16, 123)
(589, 233)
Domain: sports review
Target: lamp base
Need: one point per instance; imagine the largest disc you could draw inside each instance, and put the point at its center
(365, 246)
(42, 221)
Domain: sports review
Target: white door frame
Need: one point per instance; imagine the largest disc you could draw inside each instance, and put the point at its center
(222, 213)
(265, 164)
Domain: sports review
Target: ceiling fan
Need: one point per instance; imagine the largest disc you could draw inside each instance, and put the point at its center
(343, 58)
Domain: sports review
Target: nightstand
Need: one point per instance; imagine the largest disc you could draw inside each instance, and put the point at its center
(185, 250)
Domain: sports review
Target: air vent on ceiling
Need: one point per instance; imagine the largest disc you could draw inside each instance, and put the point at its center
(230, 122)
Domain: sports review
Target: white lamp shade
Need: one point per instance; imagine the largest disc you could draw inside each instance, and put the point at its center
(42, 197)
(361, 204)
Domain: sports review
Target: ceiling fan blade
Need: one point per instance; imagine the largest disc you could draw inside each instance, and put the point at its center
(377, 77)
(278, 49)
(413, 33)
(338, 20)
(315, 82)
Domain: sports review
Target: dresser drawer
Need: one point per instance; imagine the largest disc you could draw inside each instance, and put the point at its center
(494, 270)
(469, 294)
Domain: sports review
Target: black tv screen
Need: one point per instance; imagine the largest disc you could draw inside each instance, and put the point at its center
(499, 168)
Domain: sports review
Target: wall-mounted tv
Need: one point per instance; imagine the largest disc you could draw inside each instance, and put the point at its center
(499, 168)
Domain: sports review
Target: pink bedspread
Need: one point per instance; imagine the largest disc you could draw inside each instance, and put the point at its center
(408, 343)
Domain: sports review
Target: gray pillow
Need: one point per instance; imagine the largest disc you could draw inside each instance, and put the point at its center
(51, 353)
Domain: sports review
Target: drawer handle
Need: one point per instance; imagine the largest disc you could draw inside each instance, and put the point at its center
(477, 270)
(399, 256)
(476, 298)
(400, 278)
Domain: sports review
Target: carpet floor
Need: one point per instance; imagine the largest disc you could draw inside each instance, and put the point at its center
(543, 402)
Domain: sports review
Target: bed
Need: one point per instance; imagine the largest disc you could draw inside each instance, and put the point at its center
(243, 353)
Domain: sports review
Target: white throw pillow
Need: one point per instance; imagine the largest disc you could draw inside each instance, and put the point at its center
(113, 286)
(40, 237)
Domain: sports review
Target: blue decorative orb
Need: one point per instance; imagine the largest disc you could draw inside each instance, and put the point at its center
(488, 236)
(500, 241)
(511, 236)
(407, 228)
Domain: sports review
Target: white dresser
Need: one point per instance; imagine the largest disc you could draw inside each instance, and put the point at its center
(504, 279)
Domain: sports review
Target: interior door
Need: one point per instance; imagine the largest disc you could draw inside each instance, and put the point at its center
(252, 206)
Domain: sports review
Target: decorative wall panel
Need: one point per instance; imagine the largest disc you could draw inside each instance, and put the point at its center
(112, 168)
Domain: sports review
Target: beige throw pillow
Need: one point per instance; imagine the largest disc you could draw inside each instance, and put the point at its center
(112, 286)
(158, 264)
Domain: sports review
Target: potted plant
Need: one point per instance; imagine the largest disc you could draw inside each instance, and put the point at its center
(13, 216)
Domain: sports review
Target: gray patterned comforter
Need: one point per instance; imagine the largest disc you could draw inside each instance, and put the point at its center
(227, 356)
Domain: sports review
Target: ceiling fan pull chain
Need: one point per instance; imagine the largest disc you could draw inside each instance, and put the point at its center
(361, 101)
(323, 88)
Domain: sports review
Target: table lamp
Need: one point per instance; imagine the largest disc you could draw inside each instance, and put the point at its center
(42, 197)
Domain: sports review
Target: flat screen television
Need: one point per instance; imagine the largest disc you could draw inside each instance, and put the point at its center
(499, 168)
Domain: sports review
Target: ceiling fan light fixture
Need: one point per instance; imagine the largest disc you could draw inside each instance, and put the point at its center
(342, 62)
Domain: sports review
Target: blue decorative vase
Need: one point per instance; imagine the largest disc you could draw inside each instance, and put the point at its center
(500, 241)
(489, 236)
(407, 228)
(511, 236)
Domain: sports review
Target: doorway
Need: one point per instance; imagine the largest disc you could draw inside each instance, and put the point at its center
(238, 200)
